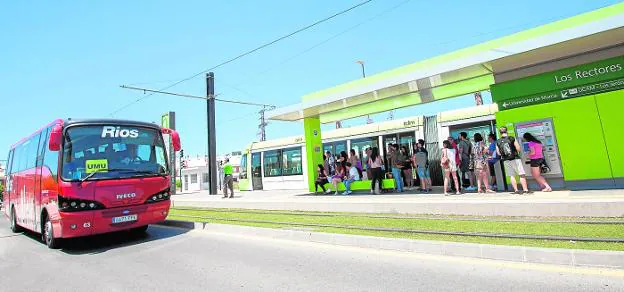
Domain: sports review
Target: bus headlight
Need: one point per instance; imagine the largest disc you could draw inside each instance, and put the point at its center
(75, 205)
(162, 196)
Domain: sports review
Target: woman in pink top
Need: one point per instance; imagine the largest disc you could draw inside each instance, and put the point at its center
(537, 159)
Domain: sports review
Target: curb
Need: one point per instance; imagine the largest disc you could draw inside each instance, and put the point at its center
(569, 257)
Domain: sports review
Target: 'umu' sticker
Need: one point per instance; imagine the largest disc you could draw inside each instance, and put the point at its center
(100, 165)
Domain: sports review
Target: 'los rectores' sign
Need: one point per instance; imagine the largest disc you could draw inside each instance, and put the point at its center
(594, 72)
(601, 76)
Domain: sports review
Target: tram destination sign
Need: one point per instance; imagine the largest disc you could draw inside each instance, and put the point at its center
(557, 95)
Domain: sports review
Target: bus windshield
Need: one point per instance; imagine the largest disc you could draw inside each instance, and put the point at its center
(110, 152)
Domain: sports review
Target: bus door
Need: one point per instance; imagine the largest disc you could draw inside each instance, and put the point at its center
(256, 171)
(38, 172)
(8, 186)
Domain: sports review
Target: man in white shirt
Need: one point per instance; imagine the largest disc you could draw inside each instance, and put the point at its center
(352, 176)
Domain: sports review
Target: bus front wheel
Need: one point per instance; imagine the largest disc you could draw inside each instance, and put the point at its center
(48, 235)
(14, 227)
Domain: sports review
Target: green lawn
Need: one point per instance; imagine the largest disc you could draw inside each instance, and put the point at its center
(401, 215)
(434, 224)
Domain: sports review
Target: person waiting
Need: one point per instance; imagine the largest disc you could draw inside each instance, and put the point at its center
(352, 176)
(337, 178)
(421, 161)
(536, 155)
(508, 148)
(321, 179)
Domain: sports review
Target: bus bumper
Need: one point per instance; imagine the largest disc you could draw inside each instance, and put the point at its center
(76, 224)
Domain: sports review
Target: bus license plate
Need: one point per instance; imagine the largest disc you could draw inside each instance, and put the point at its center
(126, 218)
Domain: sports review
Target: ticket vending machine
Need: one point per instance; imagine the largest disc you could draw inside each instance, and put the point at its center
(544, 131)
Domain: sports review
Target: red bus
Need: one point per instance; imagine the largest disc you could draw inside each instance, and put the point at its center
(77, 178)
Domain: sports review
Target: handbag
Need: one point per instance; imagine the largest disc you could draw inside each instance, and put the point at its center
(444, 161)
(544, 168)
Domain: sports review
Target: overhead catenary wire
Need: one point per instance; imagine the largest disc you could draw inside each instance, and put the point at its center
(153, 91)
(382, 13)
(248, 53)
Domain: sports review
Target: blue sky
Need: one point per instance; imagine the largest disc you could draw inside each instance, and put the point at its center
(63, 59)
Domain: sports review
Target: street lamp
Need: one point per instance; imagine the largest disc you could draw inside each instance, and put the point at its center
(362, 64)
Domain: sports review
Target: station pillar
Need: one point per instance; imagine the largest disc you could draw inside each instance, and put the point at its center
(314, 148)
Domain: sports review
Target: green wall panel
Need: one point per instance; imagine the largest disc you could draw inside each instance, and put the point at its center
(579, 135)
(313, 148)
(610, 108)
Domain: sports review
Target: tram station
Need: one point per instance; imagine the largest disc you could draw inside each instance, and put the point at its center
(562, 82)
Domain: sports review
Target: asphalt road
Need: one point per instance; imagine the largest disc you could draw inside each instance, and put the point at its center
(169, 259)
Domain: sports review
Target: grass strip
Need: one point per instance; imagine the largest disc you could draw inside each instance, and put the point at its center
(528, 228)
(451, 238)
(587, 220)
(408, 215)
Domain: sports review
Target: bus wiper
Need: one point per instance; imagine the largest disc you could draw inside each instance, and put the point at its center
(90, 175)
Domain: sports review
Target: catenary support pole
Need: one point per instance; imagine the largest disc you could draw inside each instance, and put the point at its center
(212, 147)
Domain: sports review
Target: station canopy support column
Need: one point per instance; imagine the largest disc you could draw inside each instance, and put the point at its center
(314, 148)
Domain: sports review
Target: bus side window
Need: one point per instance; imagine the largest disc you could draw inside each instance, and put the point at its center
(9, 170)
(50, 160)
(43, 141)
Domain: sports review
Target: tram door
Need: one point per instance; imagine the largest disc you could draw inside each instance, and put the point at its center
(256, 171)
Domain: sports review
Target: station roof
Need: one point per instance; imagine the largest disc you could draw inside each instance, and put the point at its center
(461, 72)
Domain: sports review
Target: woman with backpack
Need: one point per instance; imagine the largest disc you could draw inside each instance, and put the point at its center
(537, 160)
(481, 167)
(449, 165)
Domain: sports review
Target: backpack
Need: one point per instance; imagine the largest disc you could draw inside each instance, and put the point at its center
(507, 148)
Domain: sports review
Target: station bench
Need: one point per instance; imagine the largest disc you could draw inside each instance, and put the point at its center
(363, 185)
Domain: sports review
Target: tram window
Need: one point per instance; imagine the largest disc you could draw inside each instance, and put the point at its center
(340, 146)
(328, 147)
(407, 139)
(272, 165)
(291, 159)
(360, 146)
(243, 167)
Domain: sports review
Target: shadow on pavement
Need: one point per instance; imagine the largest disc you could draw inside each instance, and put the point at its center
(101, 243)
(366, 193)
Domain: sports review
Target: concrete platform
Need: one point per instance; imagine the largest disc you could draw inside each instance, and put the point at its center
(599, 203)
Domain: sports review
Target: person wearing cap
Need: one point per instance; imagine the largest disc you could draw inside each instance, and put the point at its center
(228, 179)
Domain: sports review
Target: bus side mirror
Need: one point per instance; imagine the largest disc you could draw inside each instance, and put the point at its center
(175, 140)
(56, 137)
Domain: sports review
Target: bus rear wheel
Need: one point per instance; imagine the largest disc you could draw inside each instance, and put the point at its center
(48, 235)
(14, 227)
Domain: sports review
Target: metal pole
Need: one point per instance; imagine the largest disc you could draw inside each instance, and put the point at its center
(368, 119)
(212, 147)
